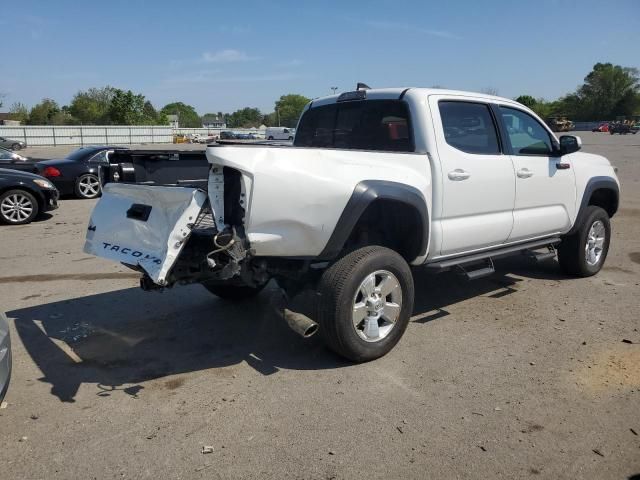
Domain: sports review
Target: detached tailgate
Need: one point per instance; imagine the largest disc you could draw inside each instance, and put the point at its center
(143, 225)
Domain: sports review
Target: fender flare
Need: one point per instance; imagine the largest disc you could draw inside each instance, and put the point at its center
(363, 195)
(595, 183)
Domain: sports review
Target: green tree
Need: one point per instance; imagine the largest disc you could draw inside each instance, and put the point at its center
(187, 115)
(289, 108)
(126, 108)
(43, 112)
(527, 101)
(150, 116)
(92, 106)
(245, 118)
(270, 119)
(19, 112)
(608, 91)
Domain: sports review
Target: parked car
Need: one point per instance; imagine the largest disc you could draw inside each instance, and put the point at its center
(603, 127)
(279, 133)
(377, 181)
(621, 128)
(77, 174)
(227, 135)
(24, 196)
(12, 144)
(15, 161)
(5, 356)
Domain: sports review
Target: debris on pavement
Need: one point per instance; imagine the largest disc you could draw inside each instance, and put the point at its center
(23, 439)
(624, 340)
(207, 449)
(598, 452)
(3, 405)
(633, 431)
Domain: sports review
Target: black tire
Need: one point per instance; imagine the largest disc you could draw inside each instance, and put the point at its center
(16, 146)
(233, 293)
(338, 289)
(270, 138)
(23, 198)
(81, 192)
(572, 254)
(290, 139)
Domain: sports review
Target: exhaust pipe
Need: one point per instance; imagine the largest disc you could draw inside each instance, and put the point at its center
(299, 323)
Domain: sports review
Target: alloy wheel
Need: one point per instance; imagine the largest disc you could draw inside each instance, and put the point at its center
(595, 242)
(377, 305)
(16, 208)
(89, 186)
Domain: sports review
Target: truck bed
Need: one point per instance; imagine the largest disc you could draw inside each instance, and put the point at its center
(157, 167)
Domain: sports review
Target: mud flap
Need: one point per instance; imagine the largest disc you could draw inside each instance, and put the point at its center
(143, 225)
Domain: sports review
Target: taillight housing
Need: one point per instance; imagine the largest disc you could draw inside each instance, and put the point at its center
(51, 172)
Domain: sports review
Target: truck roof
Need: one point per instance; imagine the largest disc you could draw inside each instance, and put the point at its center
(396, 92)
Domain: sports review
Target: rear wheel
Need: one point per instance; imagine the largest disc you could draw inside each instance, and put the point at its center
(16, 146)
(583, 253)
(270, 138)
(18, 207)
(234, 293)
(87, 186)
(365, 302)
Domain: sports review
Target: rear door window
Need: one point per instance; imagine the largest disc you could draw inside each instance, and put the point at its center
(382, 125)
(469, 127)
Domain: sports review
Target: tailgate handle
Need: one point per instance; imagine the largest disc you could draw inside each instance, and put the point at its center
(138, 211)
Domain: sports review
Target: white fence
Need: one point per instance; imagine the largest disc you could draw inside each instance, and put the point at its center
(88, 135)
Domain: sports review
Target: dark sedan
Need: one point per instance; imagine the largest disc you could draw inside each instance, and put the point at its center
(24, 196)
(15, 161)
(77, 174)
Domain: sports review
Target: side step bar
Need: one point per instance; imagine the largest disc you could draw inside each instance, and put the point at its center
(477, 270)
(464, 262)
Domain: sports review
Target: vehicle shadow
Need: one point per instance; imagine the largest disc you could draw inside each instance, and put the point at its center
(122, 338)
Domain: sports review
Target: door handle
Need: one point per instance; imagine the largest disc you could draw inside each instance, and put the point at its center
(458, 174)
(524, 173)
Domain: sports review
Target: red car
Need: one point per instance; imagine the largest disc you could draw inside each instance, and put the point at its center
(603, 127)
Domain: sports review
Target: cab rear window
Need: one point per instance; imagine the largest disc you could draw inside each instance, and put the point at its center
(382, 125)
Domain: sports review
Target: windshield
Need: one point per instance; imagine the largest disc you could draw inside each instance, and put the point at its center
(363, 125)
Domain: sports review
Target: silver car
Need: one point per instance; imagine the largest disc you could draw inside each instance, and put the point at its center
(5, 356)
(12, 144)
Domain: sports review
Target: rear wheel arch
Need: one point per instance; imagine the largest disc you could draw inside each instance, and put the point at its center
(383, 213)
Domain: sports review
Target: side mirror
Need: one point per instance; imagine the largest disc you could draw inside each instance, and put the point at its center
(570, 144)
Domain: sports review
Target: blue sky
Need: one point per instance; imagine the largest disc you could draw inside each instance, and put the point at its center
(228, 55)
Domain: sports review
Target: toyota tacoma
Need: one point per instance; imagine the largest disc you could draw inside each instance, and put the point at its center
(377, 182)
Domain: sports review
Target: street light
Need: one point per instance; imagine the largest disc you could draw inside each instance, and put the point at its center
(334, 89)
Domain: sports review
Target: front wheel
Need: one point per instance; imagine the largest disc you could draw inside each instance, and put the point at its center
(16, 146)
(583, 253)
(87, 186)
(18, 207)
(365, 302)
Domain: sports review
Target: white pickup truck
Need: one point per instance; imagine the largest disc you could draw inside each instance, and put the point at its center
(377, 181)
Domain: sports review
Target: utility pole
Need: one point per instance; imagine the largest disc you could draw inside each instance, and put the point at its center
(333, 89)
(278, 115)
